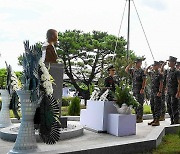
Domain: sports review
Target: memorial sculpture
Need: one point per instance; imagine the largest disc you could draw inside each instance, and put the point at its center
(50, 57)
(36, 91)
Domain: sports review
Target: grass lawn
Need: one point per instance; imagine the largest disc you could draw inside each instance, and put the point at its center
(146, 109)
(64, 110)
(169, 145)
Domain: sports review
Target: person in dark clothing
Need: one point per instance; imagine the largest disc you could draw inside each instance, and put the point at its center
(178, 66)
(110, 82)
(139, 82)
(173, 91)
(156, 92)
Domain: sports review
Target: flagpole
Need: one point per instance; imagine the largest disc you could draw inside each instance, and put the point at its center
(128, 33)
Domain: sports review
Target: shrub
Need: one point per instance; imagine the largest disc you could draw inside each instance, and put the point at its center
(74, 108)
(66, 101)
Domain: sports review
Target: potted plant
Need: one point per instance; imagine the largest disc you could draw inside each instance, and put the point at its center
(124, 100)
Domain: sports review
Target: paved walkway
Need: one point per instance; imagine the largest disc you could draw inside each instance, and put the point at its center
(91, 140)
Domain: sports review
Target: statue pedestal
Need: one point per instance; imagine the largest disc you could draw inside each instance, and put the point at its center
(95, 117)
(57, 71)
(121, 125)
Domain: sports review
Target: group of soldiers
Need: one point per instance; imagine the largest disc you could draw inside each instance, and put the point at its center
(165, 88)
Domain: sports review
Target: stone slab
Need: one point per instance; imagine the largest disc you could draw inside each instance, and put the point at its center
(146, 139)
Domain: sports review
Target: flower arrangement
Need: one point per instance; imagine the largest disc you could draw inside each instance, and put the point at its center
(36, 78)
(12, 86)
(123, 95)
(45, 78)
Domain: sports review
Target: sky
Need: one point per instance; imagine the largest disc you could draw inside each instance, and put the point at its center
(30, 19)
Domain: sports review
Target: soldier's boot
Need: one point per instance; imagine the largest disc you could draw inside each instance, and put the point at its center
(150, 123)
(172, 121)
(139, 120)
(177, 121)
(162, 118)
(156, 122)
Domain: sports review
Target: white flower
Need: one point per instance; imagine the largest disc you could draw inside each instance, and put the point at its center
(14, 83)
(41, 61)
(44, 69)
(15, 88)
(13, 78)
(49, 91)
(48, 76)
(45, 77)
(47, 84)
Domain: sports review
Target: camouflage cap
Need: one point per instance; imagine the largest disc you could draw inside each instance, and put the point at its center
(140, 59)
(156, 63)
(110, 67)
(172, 59)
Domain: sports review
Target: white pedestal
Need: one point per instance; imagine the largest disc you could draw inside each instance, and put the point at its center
(121, 125)
(96, 115)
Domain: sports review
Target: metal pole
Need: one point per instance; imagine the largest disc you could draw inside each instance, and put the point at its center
(128, 33)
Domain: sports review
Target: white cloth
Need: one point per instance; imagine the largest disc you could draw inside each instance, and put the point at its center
(44, 47)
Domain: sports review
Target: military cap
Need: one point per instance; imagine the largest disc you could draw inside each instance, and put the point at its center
(110, 67)
(140, 59)
(172, 59)
(156, 63)
(178, 63)
(161, 62)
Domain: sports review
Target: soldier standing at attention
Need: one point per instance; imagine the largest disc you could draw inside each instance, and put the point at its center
(156, 92)
(163, 97)
(110, 82)
(139, 82)
(173, 91)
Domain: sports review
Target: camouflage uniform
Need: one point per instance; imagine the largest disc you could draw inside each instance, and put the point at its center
(155, 100)
(163, 97)
(137, 79)
(110, 82)
(173, 76)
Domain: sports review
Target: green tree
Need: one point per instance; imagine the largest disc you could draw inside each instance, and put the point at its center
(3, 76)
(85, 55)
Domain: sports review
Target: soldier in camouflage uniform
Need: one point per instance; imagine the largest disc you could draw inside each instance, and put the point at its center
(156, 92)
(110, 82)
(139, 82)
(178, 66)
(163, 97)
(173, 91)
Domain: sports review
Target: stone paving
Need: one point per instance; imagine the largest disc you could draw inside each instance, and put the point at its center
(91, 140)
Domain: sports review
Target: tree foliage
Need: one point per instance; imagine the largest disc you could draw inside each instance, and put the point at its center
(3, 76)
(85, 55)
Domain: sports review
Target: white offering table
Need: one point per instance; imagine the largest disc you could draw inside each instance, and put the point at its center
(95, 116)
(121, 125)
